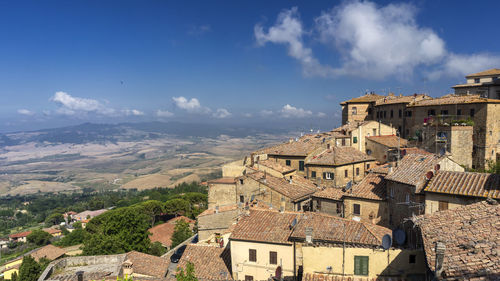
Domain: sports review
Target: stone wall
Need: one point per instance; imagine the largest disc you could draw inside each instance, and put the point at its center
(340, 179)
(454, 201)
(221, 194)
(373, 211)
(216, 223)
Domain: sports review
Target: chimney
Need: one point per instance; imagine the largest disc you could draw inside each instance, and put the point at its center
(309, 233)
(440, 249)
(79, 275)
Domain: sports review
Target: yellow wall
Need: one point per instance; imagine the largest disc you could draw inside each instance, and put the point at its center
(393, 261)
(432, 201)
(378, 209)
(367, 130)
(233, 169)
(260, 270)
(340, 180)
(7, 274)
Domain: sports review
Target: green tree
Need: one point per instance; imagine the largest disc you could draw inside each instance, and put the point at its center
(29, 270)
(75, 237)
(188, 275)
(77, 225)
(157, 249)
(39, 237)
(178, 207)
(152, 208)
(181, 233)
(14, 276)
(53, 219)
(100, 244)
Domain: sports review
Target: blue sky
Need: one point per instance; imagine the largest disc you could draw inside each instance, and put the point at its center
(283, 62)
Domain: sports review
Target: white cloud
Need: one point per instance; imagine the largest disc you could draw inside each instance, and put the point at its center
(247, 115)
(70, 105)
(132, 112)
(460, 65)
(221, 113)
(288, 30)
(289, 111)
(164, 113)
(25, 112)
(373, 42)
(266, 113)
(321, 114)
(192, 106)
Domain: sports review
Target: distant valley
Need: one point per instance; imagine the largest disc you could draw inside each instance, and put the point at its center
(128, 155)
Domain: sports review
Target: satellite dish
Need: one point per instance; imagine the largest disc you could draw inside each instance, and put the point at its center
(348, 186)
(386, 241)
(399, 236)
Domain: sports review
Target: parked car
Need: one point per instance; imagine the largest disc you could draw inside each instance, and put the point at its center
(177, 254)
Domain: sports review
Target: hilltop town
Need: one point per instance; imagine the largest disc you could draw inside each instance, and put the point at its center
(407, 188)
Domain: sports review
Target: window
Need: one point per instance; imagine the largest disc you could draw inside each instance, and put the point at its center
(392, 113)
(472, 112)
(378, 114)
(357, 209)
(444, 112)
(248, 278)
(459, 112)
(385, 114)
(361, 265)
(374, 132)
(370, 111)
(476, 80)
(392, 192)
(399, 129)
(357, 171)
(443, 205)
(242, 199)
(241, 181)
(431, 112)
(346, 173)
(354, 139)
(407, 198)
(252, 255)
(400, 113)
(318, 205)
(328, 176)
(343, 142)
(354, 111)
(408, 113)
(367, 166)
(313, 174)
(301, 165)
(339, 208)
(273, 258)
(413, 259)
(288, 162)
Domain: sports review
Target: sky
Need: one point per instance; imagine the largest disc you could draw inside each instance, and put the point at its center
(288, 63)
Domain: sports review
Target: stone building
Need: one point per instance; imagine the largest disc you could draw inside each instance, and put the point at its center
(385, 148)
(482, 113)
(215, 222)
(222, 192)
(455, 140)
(336, 166)
(450, 190)
(365, 201)
(359, 109)
(485, 84)
(405, 184)
(359, 131)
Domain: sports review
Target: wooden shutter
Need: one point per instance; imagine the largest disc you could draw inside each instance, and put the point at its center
(248, 278)
(324, 176)
(443, 205)
(357, 209)
(361, 265)
(273, 257)
(252, 255)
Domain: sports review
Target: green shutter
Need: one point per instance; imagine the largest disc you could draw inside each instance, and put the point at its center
(361, 265)
(355, 139)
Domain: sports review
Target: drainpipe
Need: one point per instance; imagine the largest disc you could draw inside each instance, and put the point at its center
(294, 263)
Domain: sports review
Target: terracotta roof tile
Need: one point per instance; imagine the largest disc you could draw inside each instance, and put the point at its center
(454, 99)
(339, 277)
(466, 184)
(296, 189)
(222, 181)
(186, 219)
(163, 232)
(338, 156)
(275, 166)
(381, 169)
(493, 71)
(52, 230)
(210, 263)
(412, 170)
(371, 187)
(20, 234)
(328, 228)
(389, 141)
(371, 97)
(148, 265)
(50, 252)
(332, 193)
(264, 226)
(401, 99)
(413, 150)
(302, 146)
(471, 235)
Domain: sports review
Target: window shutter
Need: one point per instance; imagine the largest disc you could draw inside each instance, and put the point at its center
(324, 176)
(252, 255)
(273, 257)
(361, 265)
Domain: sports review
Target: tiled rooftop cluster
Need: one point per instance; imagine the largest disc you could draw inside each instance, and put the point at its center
(338, 156)
(413, 168)
(212, 263)
(294, 188)
(371, 187)
(466, 183)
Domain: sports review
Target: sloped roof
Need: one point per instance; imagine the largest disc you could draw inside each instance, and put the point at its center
(296, 189)
(372, 187)
(332, 193)
(453, 99)
(148, 264)
(275, 166)
(337, 156)
(412, 170)
(20, 234)
(163, 232)
(265, 226)
(465, 184)
(471, 234)
(367, 98)
(391, 141)
(401, 99)
(50, 252)
(210, 262)
(222, 181)
(334, 229)
(52, 230)
(493, 71)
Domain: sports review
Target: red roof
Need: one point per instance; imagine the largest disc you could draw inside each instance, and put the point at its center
(20, 234)
(163, 232)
